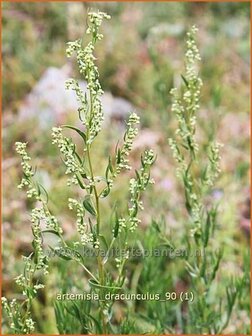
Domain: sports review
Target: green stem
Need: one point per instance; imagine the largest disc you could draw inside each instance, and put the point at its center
(107, 254)
(99, 260)
(87, 270)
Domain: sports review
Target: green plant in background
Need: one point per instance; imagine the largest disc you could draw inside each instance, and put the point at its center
(92, 230)
(204, 255)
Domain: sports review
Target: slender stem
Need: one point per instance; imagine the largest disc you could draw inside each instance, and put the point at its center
(87, 270)
(107, 254)
(29, 299)
(99, 260)
(95, 190)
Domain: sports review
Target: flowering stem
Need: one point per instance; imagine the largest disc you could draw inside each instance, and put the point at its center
(99, 260)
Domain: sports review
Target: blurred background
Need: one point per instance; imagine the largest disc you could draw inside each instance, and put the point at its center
(140, 59)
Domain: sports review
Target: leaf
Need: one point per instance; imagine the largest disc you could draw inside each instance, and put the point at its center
(105, 192)
(109, 168)
(185, 80)
(46, 194)
(97, 324)
(217, 263)
(38, 190)
(95, 284)
(207, 229)
(104, 241)
(80, 183)
(89, 206)
(142, 160)
(60, 254)
(51, 231)
(82, 134)
(76, 254)
(35, 252)
(203, 266)
(118, 156)
(74, 311)
(78, 157)
(116, 227)
(138, 177)
(168, 244)
(156, 226)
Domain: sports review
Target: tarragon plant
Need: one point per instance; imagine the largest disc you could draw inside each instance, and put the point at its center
(90, 223)
(198, 179)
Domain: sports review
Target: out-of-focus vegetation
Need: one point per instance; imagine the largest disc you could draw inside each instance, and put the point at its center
(140, 60)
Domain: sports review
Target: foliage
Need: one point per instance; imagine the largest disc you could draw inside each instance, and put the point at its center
(197, 181)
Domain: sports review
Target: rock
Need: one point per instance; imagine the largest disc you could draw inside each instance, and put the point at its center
(50, 102)
(147, 139)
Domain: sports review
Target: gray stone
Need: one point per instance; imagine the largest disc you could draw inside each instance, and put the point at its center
(51, 103)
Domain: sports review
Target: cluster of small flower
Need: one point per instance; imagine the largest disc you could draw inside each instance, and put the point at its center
(26, 180)
(85, 236)
(43, 213)
(38, 214)
(148, 158)
(19, 321)
(122, 224)
(9, 309)
(137, 185)
(196, 209)
(14, 314)
(20, 280)
(41, 258)
(192, 52)
(129, 136)
(21, 150)
(213, 169)
(184, 147)
(194, 83)
(186, 107)
(89, 69)
(95, 19)
(186, 125)
(29, 325)
(178, 156)
(91, 110)
(67, 148)
(120, 261)
(73, 84)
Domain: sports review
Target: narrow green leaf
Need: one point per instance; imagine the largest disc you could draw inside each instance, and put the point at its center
(185, 80)
(95, 284)
(46, 194)
(116, 227)
(217, 264)
(80, 183)
(105, 192)
(138, 176)
(118, 156)
(51, 231)
(109, 168)
(82, 134)
(207, 229)
(89, 206)
(103, 239)
(60, 254)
